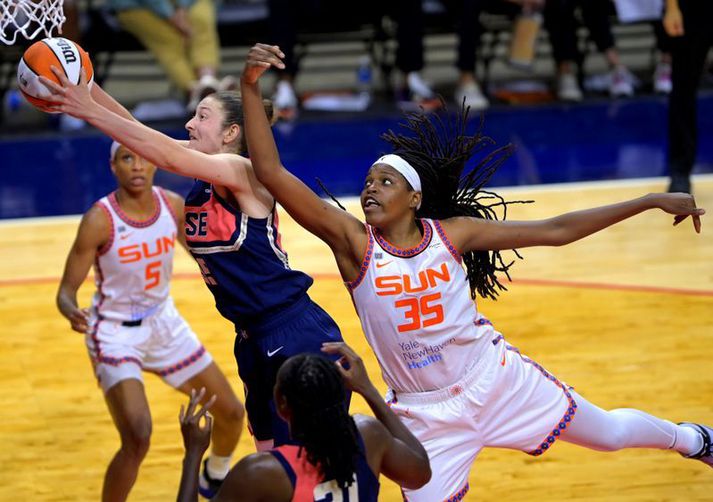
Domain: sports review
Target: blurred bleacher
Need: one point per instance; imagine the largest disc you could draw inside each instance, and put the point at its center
(51, 171)
(329, 55)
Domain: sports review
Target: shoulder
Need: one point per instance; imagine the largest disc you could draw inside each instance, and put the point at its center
(259, 476)
(258, 465)
(234, 159)
(96, 218)
(95, 227)
(171, 195)
(461, 230)
(176, 200)
(237, 171)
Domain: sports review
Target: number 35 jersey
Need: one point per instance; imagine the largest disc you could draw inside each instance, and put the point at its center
(416, 311)
(133, 269)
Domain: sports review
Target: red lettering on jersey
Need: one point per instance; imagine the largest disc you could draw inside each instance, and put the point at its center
(390, 284)
(423, 283)
(129, 254)
(147, 251)
(169, 242)
(427, 279)
(135, 252)
(433, 274)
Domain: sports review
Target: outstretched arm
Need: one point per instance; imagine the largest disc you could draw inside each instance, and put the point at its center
(330, 224)
(470, 234)
(404, 459)
(196, 438)
(107, 101)
(159, 149)
(92, 234)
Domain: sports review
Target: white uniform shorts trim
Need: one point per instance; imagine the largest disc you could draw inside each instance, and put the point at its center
(163, 344)
(506, 400)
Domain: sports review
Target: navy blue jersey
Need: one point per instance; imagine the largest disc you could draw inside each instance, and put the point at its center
(309, 486)
(240, 258)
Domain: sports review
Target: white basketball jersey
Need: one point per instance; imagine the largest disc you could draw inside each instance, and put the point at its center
(133, 270)
(416, 311)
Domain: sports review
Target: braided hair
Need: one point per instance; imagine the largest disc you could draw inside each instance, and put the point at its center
(314, 391)
(439, 147)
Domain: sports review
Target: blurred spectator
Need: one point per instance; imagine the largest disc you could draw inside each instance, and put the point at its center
(662, 75)
(410, 30)
(287, 16)
(688, 22)
(182, 35)
(469, 30)
(562, 27)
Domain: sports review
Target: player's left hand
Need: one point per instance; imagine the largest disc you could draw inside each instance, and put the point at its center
(196, 437)
(75, 100)
(351, 367)
(260, 58)
(682, 205)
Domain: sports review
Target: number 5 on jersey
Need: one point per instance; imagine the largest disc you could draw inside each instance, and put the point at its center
(153, 275)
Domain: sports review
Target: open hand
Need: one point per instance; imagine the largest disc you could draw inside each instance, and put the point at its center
(260, 58)
(72, 99)
(682, 205)
(195, 436)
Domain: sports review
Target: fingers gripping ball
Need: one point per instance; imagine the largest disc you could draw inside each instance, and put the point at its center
(65, 55)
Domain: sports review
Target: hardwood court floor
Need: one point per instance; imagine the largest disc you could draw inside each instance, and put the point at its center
(626, 316)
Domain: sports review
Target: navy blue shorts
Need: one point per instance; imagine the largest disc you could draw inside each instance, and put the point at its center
(300, 328)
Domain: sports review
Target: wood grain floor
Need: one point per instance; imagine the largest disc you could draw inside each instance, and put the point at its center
(625, 316)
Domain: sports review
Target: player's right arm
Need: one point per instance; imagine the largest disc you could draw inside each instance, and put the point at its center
(107, 101)
(226, 170)
(391, 448)
(344, 233)
(93, 233)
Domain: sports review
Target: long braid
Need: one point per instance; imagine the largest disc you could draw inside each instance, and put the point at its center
(320, 422)
(439, 149)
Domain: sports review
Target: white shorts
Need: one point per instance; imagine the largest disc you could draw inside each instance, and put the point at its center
(163, 344)
(506, 400)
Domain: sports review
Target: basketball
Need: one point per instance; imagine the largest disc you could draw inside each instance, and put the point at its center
(60, 52)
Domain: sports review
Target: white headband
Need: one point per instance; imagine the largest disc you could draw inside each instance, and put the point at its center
(404, 168)
(112, 151)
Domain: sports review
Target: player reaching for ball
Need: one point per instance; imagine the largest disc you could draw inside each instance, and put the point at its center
(232, 231)
(454, 381)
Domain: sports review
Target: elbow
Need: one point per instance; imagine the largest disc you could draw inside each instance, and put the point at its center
(61, 300)
(563, 238)
(420, 476)
(558, 235)
(425, 474)
(269, 175)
